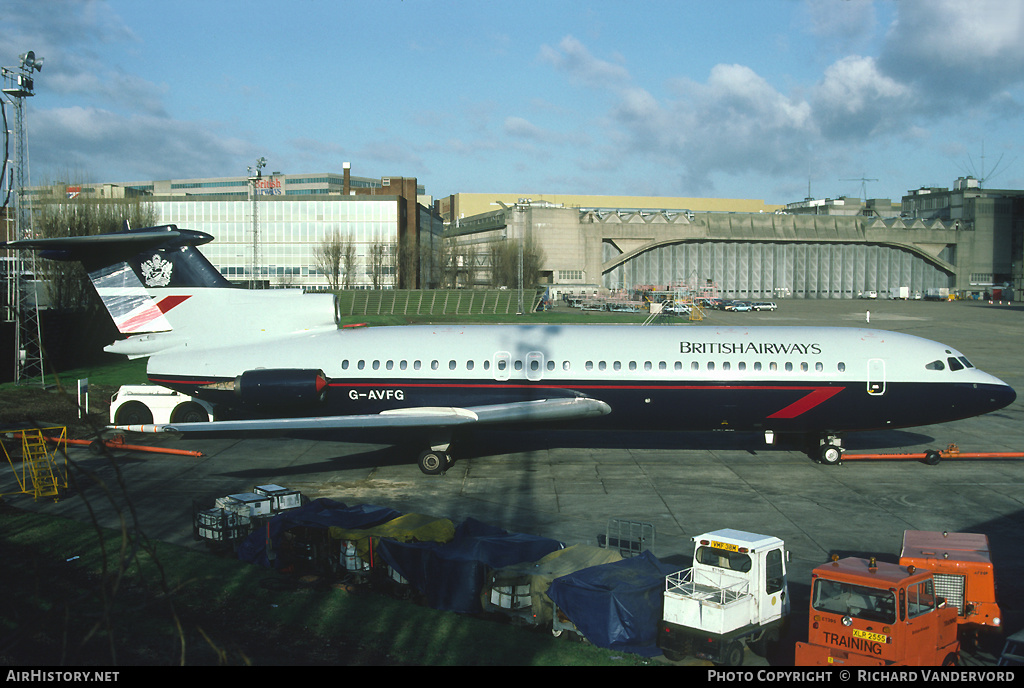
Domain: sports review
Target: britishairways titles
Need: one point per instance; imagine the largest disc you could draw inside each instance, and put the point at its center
(748, 348)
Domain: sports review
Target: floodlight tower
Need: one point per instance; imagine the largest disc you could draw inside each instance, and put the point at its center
(28, 357)
(256, 260)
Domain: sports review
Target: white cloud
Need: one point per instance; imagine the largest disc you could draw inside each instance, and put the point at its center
(855, 99)
(572, 56)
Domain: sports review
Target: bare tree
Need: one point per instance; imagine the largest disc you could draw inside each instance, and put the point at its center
(329, 255)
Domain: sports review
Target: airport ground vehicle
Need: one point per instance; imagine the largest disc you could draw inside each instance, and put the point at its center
(962, 566)
(142, 404)
(866, 612)
(899, 293)
(735, 593)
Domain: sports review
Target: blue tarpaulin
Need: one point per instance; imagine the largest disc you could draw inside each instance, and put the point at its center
(616, 606)
(320, 513)
(451, 575)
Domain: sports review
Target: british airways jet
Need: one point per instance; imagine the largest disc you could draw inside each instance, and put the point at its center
(277, 361)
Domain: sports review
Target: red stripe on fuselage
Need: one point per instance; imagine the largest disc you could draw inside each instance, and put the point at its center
(815, 396)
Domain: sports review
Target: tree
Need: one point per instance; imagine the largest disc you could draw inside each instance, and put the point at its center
(329, 255)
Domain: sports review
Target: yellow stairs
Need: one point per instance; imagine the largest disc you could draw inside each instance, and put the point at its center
(42, 473)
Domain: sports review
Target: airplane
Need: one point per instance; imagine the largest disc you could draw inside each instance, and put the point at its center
(278, 361)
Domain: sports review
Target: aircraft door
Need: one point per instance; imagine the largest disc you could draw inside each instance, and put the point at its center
(876, 376)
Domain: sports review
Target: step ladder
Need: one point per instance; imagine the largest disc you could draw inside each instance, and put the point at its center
(43, 470)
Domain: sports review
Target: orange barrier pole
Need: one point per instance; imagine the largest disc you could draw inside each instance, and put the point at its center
(118, 443)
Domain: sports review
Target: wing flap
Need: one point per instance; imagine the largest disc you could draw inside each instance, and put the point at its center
(540, 410)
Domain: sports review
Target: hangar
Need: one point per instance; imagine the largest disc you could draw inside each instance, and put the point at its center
(830, 252)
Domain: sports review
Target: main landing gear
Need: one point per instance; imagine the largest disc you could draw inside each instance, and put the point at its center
(435, 462)
(437, 459)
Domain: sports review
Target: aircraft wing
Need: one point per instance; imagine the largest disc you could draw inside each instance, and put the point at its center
(540, 410)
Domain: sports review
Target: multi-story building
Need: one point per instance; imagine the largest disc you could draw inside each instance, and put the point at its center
(267, 229)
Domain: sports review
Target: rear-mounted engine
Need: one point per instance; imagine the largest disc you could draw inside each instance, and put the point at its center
(282, 387)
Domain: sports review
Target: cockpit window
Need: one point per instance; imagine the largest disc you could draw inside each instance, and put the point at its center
(963, 359)
(955, 364)
(936, 365)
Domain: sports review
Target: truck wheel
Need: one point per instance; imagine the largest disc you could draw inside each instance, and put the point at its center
(133, 413)
(951, 660)
(733, 654)
(932, 458)
(189, 412)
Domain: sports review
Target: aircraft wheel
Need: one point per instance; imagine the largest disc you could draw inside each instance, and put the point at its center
(830, 454)
(434, 462)
(932, 458)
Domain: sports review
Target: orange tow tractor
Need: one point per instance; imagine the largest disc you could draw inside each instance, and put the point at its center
(963, 571)
(865, 612)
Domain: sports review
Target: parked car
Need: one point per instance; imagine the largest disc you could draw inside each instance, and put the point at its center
(763, 306)
(741, 306)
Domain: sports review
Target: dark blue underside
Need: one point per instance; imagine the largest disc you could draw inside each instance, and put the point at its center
(803, 406)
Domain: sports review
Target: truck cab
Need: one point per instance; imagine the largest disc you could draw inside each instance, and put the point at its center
(866, 612)
(736, 593)
(962, 566)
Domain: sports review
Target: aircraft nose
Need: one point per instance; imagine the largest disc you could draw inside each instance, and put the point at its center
(1001, 396)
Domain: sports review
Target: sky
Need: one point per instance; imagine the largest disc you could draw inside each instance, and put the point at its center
(761, 99)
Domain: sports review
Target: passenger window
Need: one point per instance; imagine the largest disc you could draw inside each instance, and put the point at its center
(818, 367)
(955, 364)
(804, 367)
(841, 367)
(535, 365)
(589, 365)
(757, 365)
(773, 366)
(789, 367)
(469, 365)
(487, 365)
(518, 365)
(565, 365)
(451, 365)
(678, 365)
(617, 365)
(632, 365)
(648, 366)
(662, 365)
(434, 365)
(936, 365)
(695, 366)
(602, 365)
(726, 365)
(361, 365)
(416, 365)
(403, 365)
(741, 366)
(502, 364)
(711, 365)
(390, 365)
(376, 365)
(551, 365)
(344, 364)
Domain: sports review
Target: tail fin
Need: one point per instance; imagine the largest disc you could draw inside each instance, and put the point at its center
(124, 265)
(142, 275)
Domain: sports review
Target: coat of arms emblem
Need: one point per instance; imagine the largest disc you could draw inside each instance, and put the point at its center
(157, 272)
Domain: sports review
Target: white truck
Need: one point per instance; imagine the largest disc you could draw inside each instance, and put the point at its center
(145, 404)
(735, 593)
(899, 293)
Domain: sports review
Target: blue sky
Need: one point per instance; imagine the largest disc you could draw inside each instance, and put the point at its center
(732, 99)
